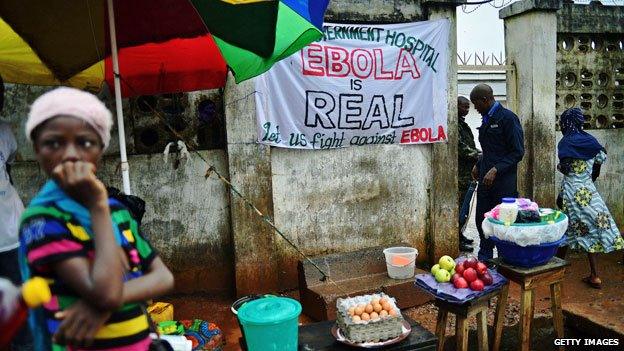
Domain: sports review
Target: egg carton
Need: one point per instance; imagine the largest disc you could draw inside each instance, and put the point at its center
(368, 331)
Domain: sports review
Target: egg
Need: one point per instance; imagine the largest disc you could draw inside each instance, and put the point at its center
(383, 313)
(368, 309)
(356, 318)
(377, 308)
(365, 316)
(359, 310)
(382, 300)
(374, 301)
(351, 311)
(393, 312)
(386, 306)
(374, 316)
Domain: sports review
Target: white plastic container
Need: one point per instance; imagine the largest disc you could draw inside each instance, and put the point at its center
(508, 210)
(400, 262)
(178, 342)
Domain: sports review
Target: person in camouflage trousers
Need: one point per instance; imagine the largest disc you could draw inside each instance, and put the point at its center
(467, 155)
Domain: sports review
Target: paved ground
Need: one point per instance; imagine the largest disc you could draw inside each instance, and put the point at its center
(600, 309)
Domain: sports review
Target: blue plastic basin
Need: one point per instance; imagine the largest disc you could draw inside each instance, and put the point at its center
(527, 256)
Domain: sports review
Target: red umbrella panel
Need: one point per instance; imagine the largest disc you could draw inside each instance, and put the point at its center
(177, 65)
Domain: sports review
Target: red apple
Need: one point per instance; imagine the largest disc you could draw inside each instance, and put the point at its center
(455, 276)
(481, 268)
(459, 268)
(470, 275)
(460, 283)
(477, 285)
(487, 279)
(470, 263)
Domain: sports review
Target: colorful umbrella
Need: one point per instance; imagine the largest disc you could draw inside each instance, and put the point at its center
(71, 37)
(176, 65)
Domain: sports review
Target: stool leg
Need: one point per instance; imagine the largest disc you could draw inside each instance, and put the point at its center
(461, 333)
(526, 316)
(482, 332)
(555, 297)
(441, 327)
(499, 318)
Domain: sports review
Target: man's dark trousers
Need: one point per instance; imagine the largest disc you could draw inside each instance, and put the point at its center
(486, 200)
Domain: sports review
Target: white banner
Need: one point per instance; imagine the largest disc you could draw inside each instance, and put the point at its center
(359, 85)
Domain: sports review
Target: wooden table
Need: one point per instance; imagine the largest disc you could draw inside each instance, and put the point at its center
(317, 337)
(478, 307)
(550, 274)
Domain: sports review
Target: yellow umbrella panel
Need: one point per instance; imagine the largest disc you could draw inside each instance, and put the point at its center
(19, 64)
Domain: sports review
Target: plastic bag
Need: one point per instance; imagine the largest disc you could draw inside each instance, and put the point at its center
(528, 233)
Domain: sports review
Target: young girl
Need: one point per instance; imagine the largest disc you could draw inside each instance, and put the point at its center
(88, 246)
(591, 226)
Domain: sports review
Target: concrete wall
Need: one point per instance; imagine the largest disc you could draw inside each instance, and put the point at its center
(590, 75)
(345, 200)
(328, 201)
(187, 217)
(376, 11)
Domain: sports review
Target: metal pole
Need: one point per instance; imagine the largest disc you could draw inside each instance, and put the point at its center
(125, 169)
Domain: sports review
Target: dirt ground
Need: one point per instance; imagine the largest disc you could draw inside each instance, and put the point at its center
(217, 309)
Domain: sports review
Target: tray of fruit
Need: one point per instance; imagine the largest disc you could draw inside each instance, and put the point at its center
(460, 280)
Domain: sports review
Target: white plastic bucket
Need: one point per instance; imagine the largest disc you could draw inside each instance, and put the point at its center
(400, 261)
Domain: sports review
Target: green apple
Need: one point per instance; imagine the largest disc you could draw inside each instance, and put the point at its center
(435, 269)
(447, 263)
(442, 276)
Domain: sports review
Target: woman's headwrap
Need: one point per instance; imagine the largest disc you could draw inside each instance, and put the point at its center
(71, 102)
(576, 143)
(571, 121)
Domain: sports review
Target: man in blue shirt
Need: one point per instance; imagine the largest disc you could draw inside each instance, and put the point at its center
(502, 143)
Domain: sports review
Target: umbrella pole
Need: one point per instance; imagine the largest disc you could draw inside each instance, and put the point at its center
(125, 168)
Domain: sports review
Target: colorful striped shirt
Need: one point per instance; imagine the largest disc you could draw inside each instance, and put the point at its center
(50, 235)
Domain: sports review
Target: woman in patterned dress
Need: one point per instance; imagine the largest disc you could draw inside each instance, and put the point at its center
(592, 227)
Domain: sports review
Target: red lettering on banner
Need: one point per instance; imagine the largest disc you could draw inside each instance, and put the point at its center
(312, 58)
(379, 66)
(359, 56)
(422, 135)
(406, 63)
(414, 136)
(425, 134)
(441, 134)
(337, 61)
(405, 137)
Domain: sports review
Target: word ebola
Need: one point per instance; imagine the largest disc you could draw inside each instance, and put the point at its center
(422, 135)
(334, 61)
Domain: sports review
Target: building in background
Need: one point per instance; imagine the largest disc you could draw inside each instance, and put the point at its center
(470, 75)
